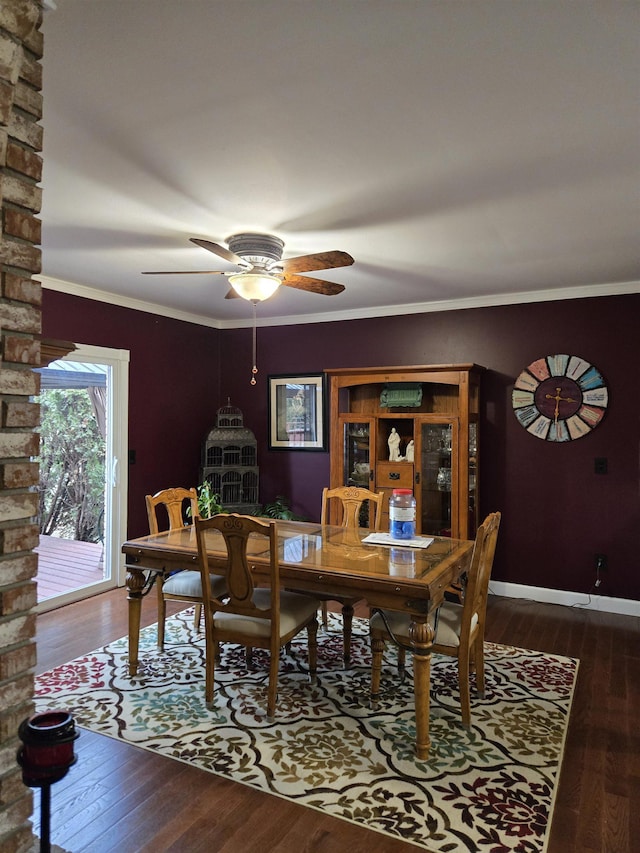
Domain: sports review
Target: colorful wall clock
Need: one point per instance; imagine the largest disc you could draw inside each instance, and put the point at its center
(560, 398)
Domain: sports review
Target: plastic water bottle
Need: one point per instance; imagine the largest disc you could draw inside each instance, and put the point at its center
(402, 514)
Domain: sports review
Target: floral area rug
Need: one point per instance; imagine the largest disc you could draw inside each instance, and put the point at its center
(488, 789)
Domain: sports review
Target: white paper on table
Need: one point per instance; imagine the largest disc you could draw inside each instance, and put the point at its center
(386, 539)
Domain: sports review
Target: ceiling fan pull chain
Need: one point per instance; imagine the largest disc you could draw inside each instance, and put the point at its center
(254, 369)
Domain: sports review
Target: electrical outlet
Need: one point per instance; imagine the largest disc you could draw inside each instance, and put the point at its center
(601, 563)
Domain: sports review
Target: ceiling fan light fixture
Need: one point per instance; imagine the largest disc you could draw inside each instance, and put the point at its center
(255, 286)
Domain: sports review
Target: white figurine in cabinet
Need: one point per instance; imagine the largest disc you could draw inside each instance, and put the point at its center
(394, 446)
(409, 452)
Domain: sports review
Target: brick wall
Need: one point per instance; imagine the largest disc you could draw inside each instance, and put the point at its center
(20, 302)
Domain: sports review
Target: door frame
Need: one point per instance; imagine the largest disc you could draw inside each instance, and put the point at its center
(116, 469)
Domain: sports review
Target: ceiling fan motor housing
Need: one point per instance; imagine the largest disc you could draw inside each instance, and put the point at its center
(259, 249)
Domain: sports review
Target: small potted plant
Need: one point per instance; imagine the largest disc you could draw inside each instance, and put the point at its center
(208, 501)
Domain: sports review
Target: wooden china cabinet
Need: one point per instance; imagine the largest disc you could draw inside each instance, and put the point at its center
(437, 407)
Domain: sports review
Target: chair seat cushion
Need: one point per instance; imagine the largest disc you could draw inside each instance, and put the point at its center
(295, 610)
(188, 584)
(398, 624)
(448, 633)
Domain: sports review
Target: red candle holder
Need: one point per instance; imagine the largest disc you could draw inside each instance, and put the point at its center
(47, 751)
(45, 756)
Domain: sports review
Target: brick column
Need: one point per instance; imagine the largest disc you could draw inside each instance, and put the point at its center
(20, 306)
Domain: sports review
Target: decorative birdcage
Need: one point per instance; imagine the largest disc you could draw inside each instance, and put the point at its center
(230, 462)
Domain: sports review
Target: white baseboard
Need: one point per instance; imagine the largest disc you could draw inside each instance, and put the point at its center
(588, 601)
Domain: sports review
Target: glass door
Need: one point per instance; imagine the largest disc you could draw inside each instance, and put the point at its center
(473, 479)
(357, 459)
(438, 478)
(83, 486)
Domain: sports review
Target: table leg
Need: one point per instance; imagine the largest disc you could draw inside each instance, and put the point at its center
(135, 587)
(421, 634)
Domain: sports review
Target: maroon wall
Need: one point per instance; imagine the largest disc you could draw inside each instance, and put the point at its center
(173, 388)
(557, 513)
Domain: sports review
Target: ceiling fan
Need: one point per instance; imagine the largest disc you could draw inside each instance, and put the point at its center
(263, 270)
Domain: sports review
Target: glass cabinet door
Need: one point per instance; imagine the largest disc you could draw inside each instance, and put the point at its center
(473, 479)
(357, 457)
(357, 437)
(437, 476)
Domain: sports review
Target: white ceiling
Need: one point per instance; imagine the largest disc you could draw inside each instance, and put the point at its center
(463, 152)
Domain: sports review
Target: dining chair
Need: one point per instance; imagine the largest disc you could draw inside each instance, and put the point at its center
(171, 509)
(250, 614)
(459, 627)
(351, 500)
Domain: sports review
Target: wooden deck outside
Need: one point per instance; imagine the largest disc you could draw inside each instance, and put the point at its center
(65, 565)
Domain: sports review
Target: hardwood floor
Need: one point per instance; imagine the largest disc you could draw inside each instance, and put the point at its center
(120, 798)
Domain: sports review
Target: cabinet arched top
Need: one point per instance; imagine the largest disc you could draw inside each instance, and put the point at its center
(445, 374)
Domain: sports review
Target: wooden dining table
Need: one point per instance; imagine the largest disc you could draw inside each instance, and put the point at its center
(328, 560)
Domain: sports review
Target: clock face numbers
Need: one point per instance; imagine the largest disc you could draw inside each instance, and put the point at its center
(560, 398)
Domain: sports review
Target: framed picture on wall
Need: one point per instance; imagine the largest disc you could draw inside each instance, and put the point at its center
(297, 412)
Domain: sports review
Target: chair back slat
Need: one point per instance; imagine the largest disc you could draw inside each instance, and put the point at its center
(173, 502)
(239, 581)
(351, 499)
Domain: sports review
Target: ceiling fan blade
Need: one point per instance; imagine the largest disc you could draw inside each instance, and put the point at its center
(231, 294)
(221, 251)
(313, 285)
(320, 261)
(183, 272)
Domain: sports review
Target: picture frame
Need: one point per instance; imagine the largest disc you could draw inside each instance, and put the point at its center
(297, 412)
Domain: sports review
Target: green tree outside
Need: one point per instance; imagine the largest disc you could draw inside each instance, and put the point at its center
(72, 467)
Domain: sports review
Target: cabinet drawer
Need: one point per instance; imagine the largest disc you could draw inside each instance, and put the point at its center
(394, 475)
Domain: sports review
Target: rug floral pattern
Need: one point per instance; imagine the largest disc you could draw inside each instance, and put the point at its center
(487, 789)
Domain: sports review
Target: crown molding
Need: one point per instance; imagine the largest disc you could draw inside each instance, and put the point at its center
(524, 297)
(74, 289)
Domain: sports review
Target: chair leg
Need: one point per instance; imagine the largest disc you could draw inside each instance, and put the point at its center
(197, 618)
(479, 661)
(272, 694)
(347, 623)
(463, 684)
(402, 656)
(249, 656)
(325, 615)
(312, 643)
(377, 651)
(162, 612)
(210, 663)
